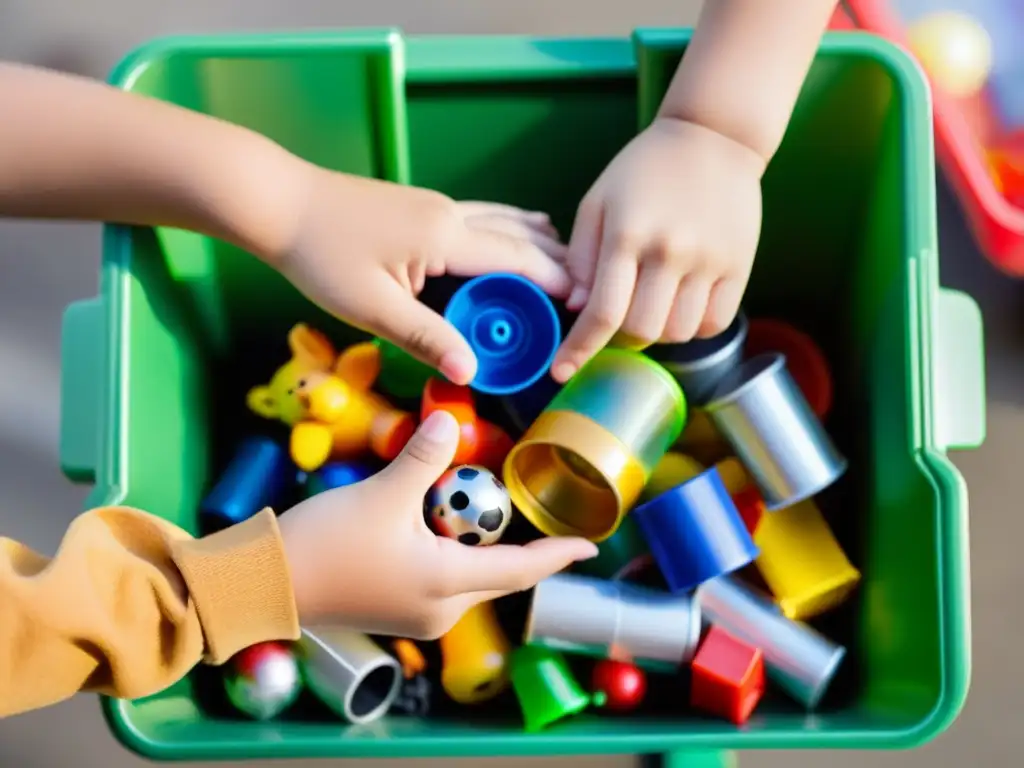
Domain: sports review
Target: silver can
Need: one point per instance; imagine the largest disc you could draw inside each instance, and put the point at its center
(799, 660)
(349, 672)
(612, 619)
(761, 411)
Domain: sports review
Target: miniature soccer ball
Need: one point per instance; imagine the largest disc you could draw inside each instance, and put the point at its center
(468, 504)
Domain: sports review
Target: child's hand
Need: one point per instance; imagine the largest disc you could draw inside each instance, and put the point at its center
(363, 556)
(663, 242)
(363, 249)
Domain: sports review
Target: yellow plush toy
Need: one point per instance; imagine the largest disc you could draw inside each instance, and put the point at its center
(328, 402)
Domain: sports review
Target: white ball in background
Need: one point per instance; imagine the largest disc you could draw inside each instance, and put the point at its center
(955, 51)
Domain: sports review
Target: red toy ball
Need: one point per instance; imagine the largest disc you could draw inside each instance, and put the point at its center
(624, 685)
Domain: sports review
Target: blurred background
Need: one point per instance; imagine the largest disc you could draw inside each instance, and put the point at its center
(45, 266)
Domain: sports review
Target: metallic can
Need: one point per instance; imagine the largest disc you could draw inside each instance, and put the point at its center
(695, 532)
(800, 660)
(349, 672)
(613, 619)
(257, 477)
(263, 680)
(763, 414)
(699, 365)
(585, 460)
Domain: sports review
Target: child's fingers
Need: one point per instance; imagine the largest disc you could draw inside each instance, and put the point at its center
(602, 316)
(501, 569)
(688, 309)
(470, 208)
(403, 320)
(483, 251)
(544, 238)
(584, 247)
(537, 221)
(723, 305)
(652, 304)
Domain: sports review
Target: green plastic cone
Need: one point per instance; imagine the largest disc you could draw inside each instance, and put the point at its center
(545, 687)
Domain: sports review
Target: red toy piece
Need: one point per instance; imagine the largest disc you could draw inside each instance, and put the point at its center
(480, 441)
(624, 685)
(751, 507)
(728, 677)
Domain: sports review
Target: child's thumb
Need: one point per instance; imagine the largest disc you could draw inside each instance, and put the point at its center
(428, 453)
(429, 338)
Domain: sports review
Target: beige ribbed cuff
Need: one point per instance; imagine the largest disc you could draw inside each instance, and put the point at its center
(241, 586)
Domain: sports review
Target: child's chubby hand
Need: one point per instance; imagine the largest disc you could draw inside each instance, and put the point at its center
(363, 248)
(663, 242)
(362, 555)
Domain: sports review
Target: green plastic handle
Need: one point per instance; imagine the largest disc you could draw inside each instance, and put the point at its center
(81, 360)
(959, 372)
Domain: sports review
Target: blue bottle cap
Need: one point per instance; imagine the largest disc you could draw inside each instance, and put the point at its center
(512, 327)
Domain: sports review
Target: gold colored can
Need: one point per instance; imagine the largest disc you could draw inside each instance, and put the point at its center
(584, 462)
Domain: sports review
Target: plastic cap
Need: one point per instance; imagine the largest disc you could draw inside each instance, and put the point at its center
(512, 327)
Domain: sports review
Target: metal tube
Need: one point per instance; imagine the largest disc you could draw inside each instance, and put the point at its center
(349, 672)
(800, 660)
(606, 619)
(763, 414)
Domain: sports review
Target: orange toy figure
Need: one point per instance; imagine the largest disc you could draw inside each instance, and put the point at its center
(327, 401)
(480, 441)
(410, 657)
(474, 656)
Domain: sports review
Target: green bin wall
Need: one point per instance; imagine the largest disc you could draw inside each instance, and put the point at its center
(156, 367)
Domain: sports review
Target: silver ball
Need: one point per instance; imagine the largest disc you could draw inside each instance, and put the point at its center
(469, 504)
(263, 680)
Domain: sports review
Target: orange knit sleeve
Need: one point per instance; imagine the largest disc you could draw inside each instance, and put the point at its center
(130, 603)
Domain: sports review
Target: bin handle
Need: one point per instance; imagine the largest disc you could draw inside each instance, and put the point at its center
(82, 357)
(958, 376)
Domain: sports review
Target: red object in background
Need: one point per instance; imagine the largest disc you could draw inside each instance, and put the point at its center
(804, 359)
(728, 677)
(961, 126)
(480, 441)
(841, 21)
(623, 684)
(750, 506)
(1007, 159)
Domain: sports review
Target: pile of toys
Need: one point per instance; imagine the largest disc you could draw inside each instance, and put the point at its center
(694, 467)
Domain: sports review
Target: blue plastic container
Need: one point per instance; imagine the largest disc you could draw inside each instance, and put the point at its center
(258, 476)
(695, 532)
(337, 474)
(512, 327)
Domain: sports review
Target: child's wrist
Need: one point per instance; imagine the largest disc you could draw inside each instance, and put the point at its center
(742, 154)
(263, 201)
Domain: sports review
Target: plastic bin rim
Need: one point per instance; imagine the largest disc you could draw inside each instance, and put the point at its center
(916, 105)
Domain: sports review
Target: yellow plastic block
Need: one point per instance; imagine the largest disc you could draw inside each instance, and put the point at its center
(673, 469)
(701, 439)
(734, 475)
(801, 561)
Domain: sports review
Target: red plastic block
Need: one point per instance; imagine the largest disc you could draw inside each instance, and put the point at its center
(750, 506)
(728, 677)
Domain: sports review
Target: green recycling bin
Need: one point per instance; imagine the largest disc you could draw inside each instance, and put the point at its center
(155, 367)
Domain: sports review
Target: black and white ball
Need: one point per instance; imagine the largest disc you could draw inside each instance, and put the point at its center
(469, 504)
